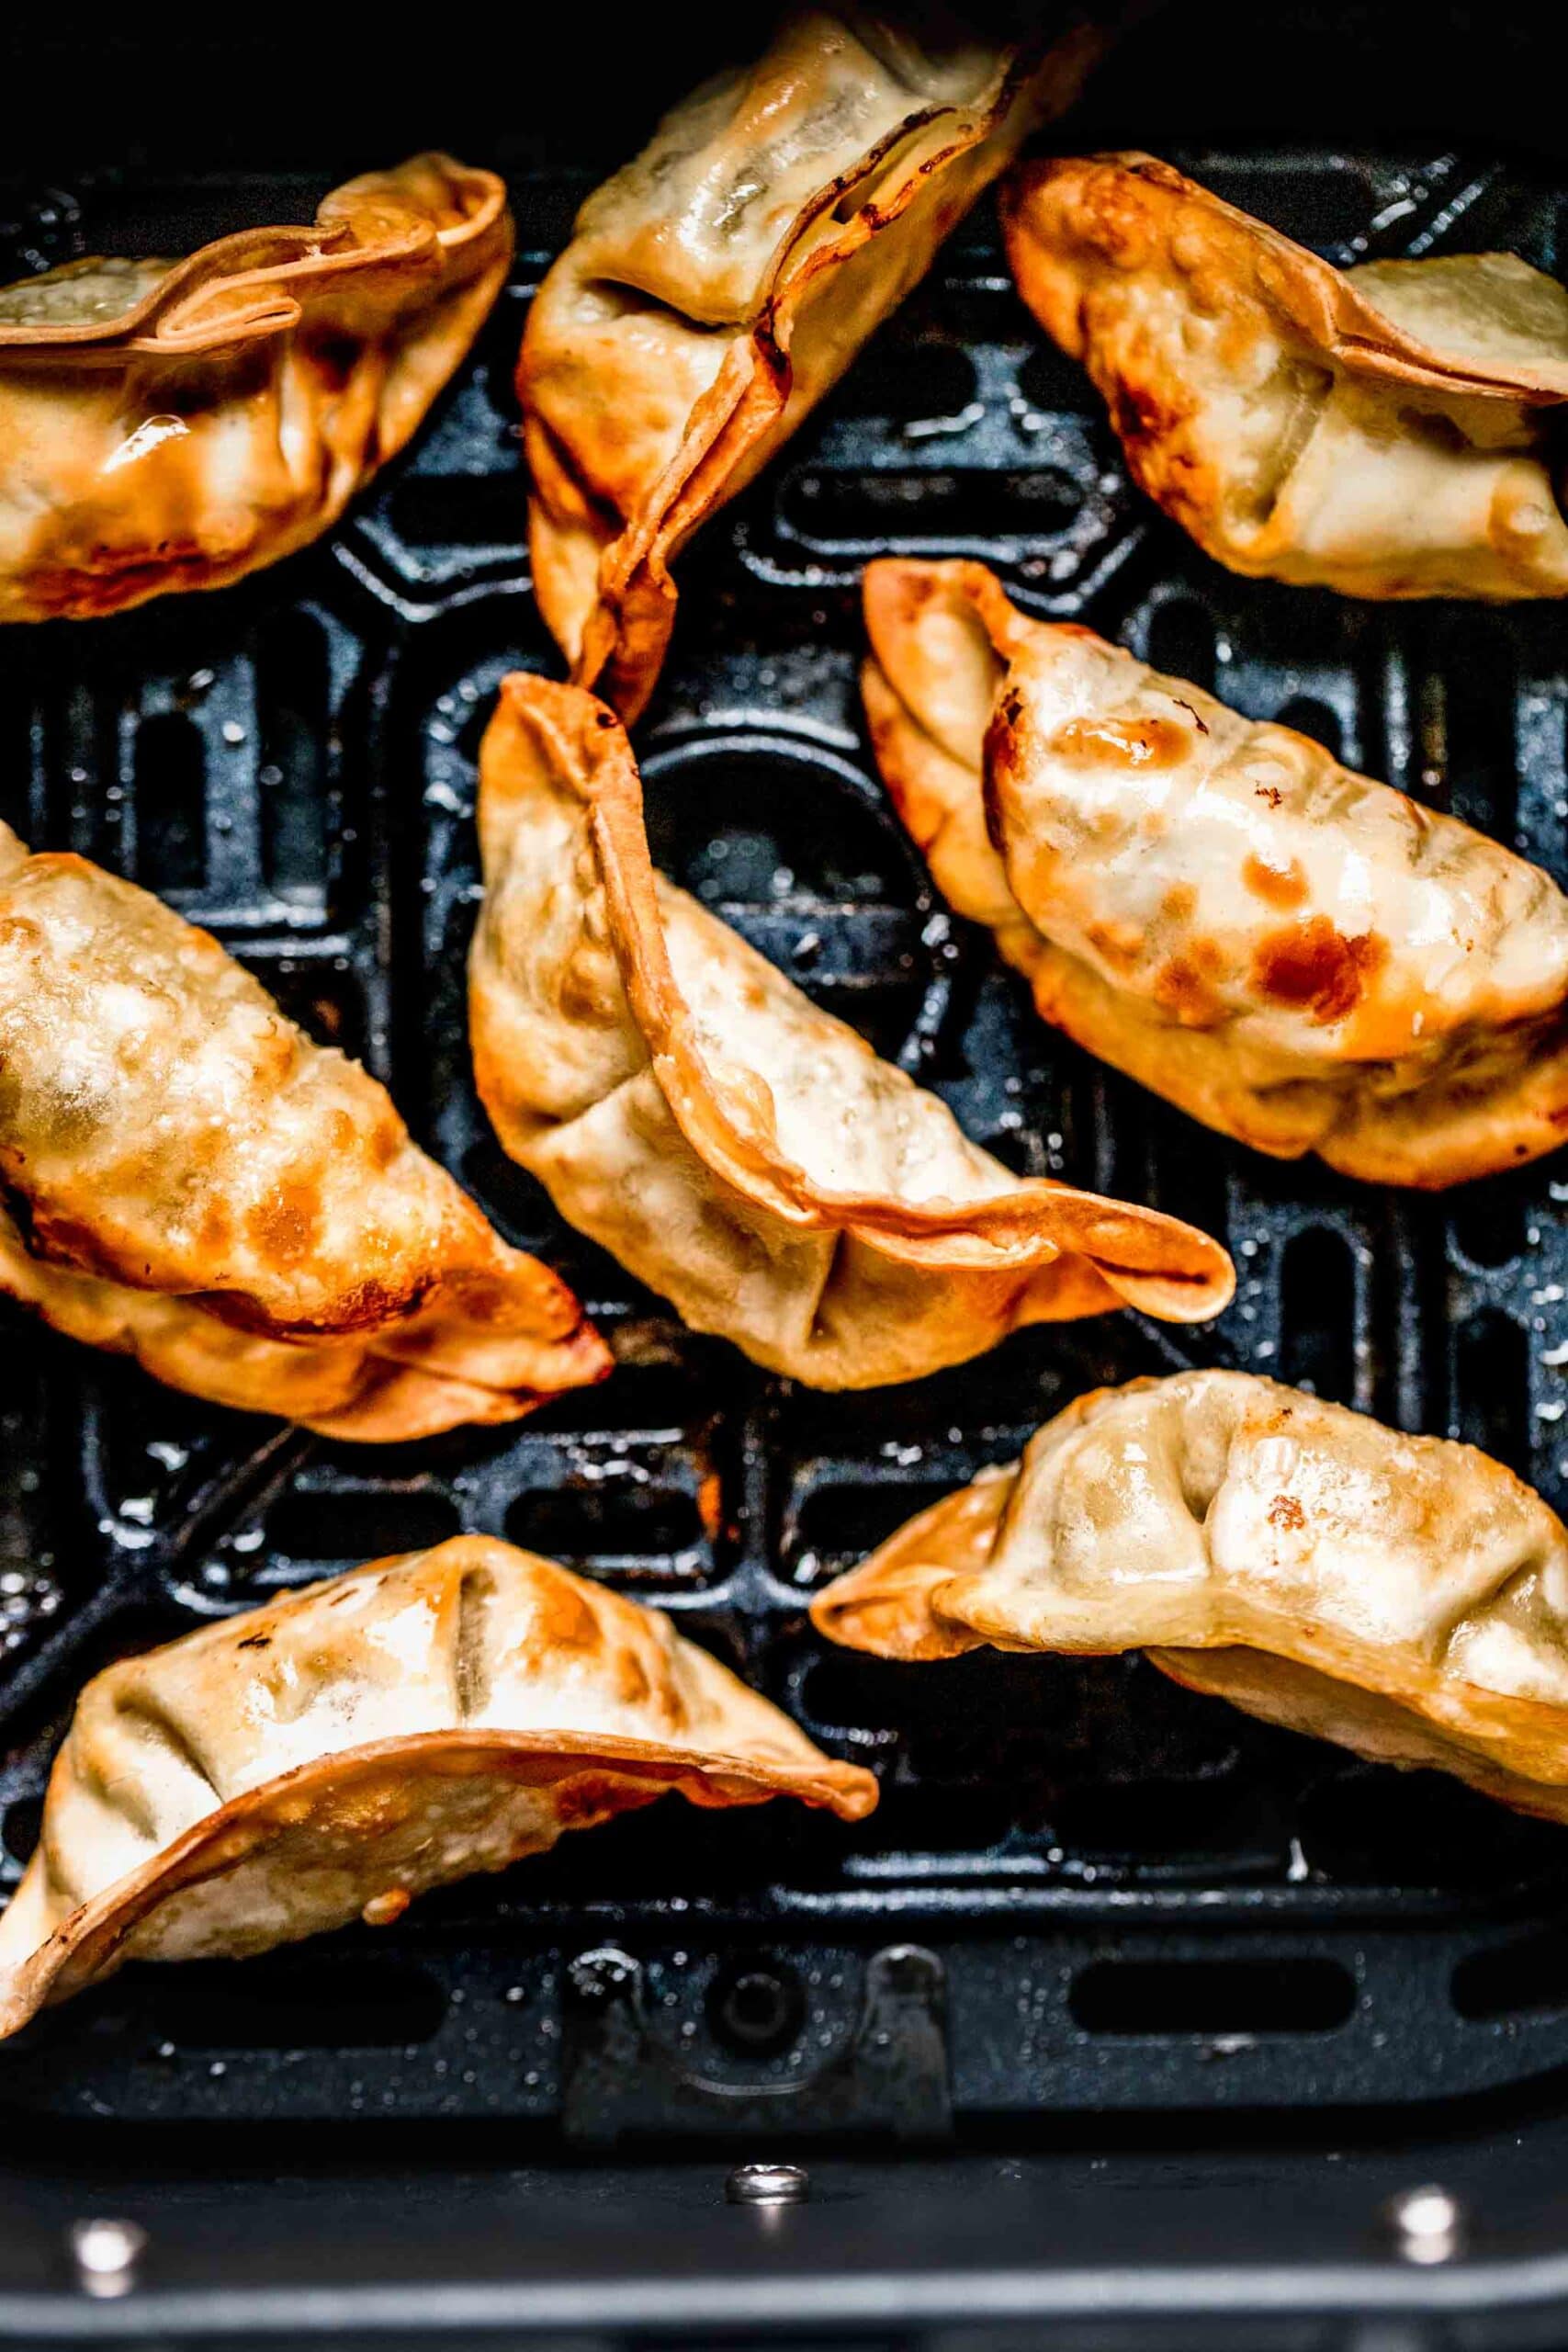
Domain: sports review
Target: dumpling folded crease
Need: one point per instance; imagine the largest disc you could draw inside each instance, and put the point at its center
(1387, 431)
(1406, 1597)
(351, 1745)
(187, 1179)
(743, 1153)
(1293, 954)
(719, 284)
(175, 424)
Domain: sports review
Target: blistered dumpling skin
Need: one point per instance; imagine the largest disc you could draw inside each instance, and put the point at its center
(168, 425)
(345, 1748)
(1297, 955)
(719, 284)
(188, 1180)
(1403, 1596)
(1382, 431)
(741, 1152)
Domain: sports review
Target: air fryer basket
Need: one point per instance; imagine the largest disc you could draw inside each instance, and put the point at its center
(1087, 1895)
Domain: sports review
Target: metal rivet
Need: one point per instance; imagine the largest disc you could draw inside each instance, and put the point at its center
(768, 2184)
(105, 2254)
(1428, 2224)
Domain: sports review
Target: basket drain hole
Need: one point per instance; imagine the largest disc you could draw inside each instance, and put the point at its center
(901, 507)
(598, 1523)
(359, 1526)
(1186, 1174)
(1492, 1402)
(844, 1522)
(1469, 748)
(1318, 1347)
(1512, 1980)
(1051, 385)
(910, 382)
(19, 1830)
(171, 803)
(1181, 642)
(294, 717)
(1212, 1997)
(1310, 716)
(455, 510)
(806, 837)
(1487, 1222)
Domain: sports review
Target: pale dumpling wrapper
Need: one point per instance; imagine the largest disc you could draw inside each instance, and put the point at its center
(719, 285)
(1386, 431)
(334, 1753)
(190, 1180)
(172, 425)
(1406, 1597)
(741, 1152)
(1297, 955)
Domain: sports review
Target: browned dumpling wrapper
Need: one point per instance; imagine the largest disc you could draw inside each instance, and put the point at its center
(717, 285)
(741, 1152)
(1386, 431)
(177, 424)
(332, 1756)
(1295, 955)
(1403, 1596)
(187, 1179)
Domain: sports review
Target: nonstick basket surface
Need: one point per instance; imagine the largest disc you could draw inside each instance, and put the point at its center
(1122, 1895)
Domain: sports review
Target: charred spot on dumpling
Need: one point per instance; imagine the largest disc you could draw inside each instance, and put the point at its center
(1315, 968)
(1119, 945)
(908, 588)
(563, 1617)
(1183, 986)
(284, 1227)
(336, 356)
(632, 1685)
(215, 1228)
(1001, 762)
(383, 1136)
(1142, 413)
(1284, 887)
(275, 1044)
(588, 1797)
(1113, 217)
(1151, 742)
(361, 1308)
(209, 1148)
(1003, 730)
(357, 1811)
(60, 1241)
(1285, 1511)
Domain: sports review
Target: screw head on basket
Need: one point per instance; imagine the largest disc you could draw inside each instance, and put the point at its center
(1428, 2224)
(105, 2253)
(768, 2184)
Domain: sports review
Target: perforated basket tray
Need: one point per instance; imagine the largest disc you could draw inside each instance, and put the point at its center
(1138, 1897)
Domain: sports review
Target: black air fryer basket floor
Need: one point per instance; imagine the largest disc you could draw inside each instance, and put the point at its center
(1125, 1897)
